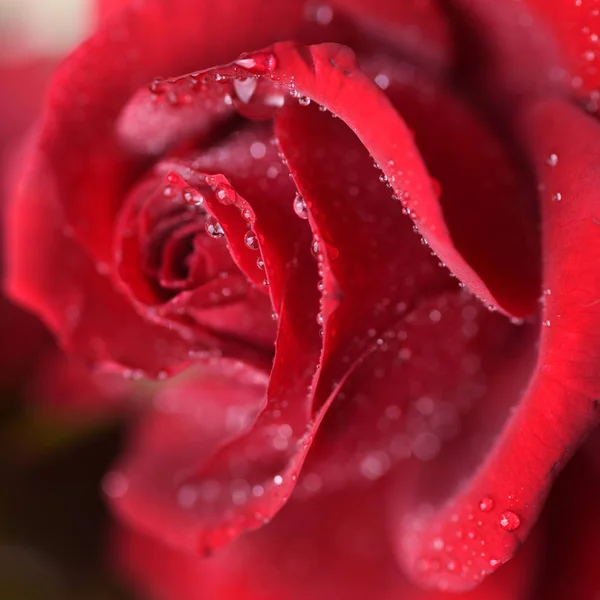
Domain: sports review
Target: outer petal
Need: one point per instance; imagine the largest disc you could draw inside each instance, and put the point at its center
(417, 27)
(331, 547)
(560, 405)
(251, 476)
(329, 75)
(573, 547)
(504, 50)
(576, 27)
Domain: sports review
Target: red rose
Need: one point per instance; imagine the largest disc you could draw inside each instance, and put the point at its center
(162, 222)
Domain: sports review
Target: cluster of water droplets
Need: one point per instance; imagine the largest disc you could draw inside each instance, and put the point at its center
(463, 549)
(249, 85)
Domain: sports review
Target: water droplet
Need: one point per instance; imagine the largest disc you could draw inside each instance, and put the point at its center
(257, 99)
(314, 248)
(382, 80)
(258, 150)
(173, 178)
(486, 504)
(438, 543)
(304, 101)
(552, 160)
(300, 207)
(192, 196)
(251, 240)
(278, 480)
(225, 194)
(213, 228)
(320, 319)
(258, 63)
(509, 521)
(452, 566)
(322, 14)
(557, 197)
(260, 263)
(247, 214)
(158, 86)
(245, 88)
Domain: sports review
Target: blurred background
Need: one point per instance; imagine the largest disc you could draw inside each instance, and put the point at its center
(60, 427)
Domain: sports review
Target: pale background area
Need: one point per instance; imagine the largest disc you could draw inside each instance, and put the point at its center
(43, 26)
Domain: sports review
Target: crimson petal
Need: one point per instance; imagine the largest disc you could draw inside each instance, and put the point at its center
(265, 459)
(331, 547)
(329, 75)
(417, 27)
(560, 405)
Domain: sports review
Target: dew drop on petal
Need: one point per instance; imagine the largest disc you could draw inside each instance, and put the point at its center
(452, 566)
(258, 150)
(245, 88)
(258, 63)
(314, 248)
(300, 207)
(552, 160)
(382, 80)
(509, 521)
(158, 86)
(251, 240)
(192, 196)
(225, 195)
(486, 504)
(213, 228)
(247, 214)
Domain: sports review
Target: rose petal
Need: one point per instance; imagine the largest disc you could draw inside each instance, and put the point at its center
(329, 75)
(370, 259)
(516, 55)
(262, 461)
(575, 26)
(417, 27)
(331, 547)
(414, 394)
(559, 406)
(486, 196)
(572, 547)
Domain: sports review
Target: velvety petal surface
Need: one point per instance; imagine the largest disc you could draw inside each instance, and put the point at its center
(329, 75)
(333, 546)
(559, 406)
